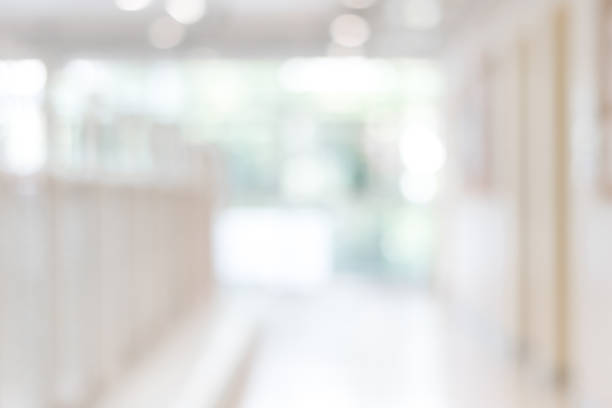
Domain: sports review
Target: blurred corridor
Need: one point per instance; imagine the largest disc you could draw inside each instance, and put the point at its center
(332, 203)
(356, 345)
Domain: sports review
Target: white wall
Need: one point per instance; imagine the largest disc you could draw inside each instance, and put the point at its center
(592, 219)
(506, 258)
(563, 220)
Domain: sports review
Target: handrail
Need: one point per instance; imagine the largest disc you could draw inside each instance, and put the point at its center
(93, 272)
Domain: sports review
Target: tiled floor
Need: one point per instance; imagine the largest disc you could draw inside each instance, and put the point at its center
(196, 364)
(358, 346)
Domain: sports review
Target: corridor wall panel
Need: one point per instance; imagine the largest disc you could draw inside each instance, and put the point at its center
(591, 283)
(78, 294)
(26, 318)
(482, 270)
(509, 241)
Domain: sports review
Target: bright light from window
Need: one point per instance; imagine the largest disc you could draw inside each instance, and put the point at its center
(307, 178)
(422, 14)
(350, 30)
(165, 33)
(419, 188)
(333, 75)
(165, 92)
(186, 11)
(25, 145)
(407, 239)
(132, 5)
(358, 4)
(423, 156)
(259, 246)
(422, 152)
(24, 77)
(227, 91)
(91, 75)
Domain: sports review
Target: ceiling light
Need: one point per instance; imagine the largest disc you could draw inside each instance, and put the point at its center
(350, 30)
(132, 5)
(186, 11)
(358, 4)
(422, 14)
(166, 33)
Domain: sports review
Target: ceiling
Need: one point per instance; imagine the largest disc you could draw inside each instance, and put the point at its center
(233, 28)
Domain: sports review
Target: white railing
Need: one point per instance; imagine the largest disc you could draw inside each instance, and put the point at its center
(92, 274)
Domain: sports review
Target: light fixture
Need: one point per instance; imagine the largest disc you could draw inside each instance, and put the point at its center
(186, 11)
(165, 33)
(350, 30)
(422, 14)
(132, 5)
(358, 4)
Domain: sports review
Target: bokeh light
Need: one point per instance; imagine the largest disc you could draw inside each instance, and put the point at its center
(186, 11)
(421, 151)
(350, 30)
(165, 33)
(132, 5)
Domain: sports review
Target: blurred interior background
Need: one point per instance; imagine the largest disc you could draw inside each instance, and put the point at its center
(332, 203)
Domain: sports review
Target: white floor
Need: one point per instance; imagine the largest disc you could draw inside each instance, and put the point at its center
(359, 346)
(196, 366)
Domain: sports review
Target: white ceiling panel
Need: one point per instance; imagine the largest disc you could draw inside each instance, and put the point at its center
(242, 27)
